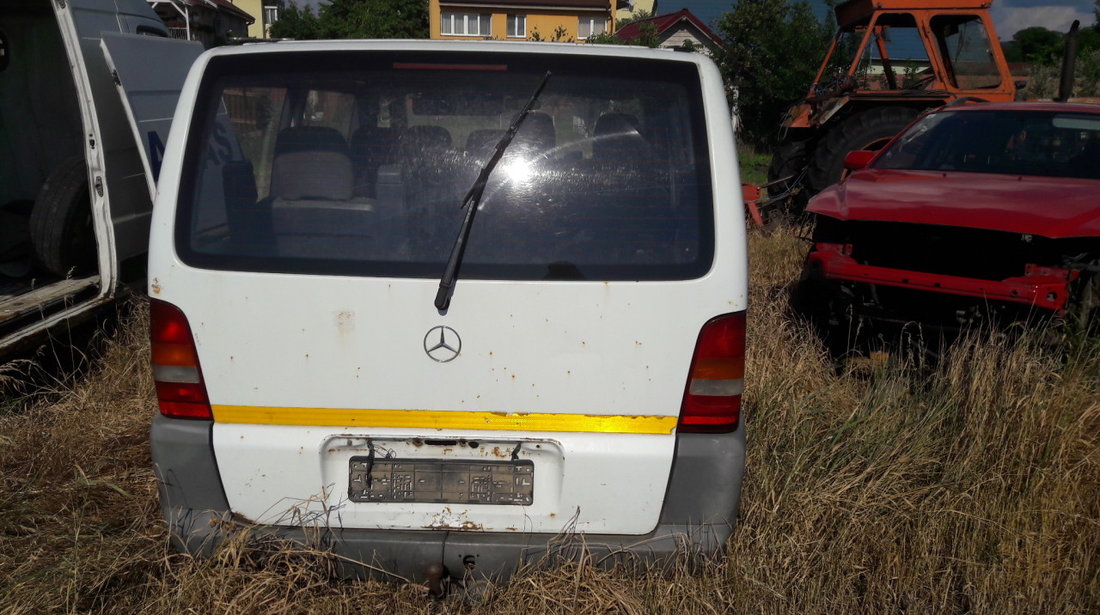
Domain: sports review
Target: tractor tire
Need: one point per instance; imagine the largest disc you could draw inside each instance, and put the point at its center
(866, 130)
(786, 171)
(61, 221)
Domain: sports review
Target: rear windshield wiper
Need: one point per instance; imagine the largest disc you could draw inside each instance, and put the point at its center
(473, 197)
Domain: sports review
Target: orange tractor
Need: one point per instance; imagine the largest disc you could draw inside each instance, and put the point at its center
(890, 60)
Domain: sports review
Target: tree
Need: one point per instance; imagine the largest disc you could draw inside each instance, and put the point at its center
(647, 37)
(1037, 44)
(297, 23)
(773, 48)
(1042, 46)
(641, 14)
(354, 19)
(374, 19)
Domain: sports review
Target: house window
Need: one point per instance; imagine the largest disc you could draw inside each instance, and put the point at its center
(591, 26)
(465, 24)
(517, 26)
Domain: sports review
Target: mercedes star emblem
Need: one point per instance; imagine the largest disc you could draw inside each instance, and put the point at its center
(442, 343)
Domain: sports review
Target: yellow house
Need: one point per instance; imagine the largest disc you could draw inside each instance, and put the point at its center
(266, 13)
(564, 20)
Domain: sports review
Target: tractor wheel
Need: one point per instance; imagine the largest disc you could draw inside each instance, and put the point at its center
(61, 221)
(866, 130)
(785, 172)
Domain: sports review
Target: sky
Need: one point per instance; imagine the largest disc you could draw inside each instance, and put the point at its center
(1008, 15)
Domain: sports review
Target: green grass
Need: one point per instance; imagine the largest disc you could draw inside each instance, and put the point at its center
(754, 166)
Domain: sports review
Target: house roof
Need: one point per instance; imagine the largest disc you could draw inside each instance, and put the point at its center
(602, 5)
(665, 22)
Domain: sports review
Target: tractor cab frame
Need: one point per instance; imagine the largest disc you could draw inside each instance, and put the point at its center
(890, 60)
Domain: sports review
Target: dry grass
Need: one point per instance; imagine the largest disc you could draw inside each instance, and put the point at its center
(971, 487)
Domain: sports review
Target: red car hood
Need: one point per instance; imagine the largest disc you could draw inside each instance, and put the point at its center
(1048, 206)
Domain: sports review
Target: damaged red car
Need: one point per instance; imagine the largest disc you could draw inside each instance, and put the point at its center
(975, 213)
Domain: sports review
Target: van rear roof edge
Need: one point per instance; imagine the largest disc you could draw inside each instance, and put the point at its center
(624, 51)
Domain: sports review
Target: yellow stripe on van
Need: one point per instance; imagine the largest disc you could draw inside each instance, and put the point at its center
(435, 419)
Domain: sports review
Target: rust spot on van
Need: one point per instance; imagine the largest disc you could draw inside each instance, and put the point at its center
(345, 321)
(465, 525)
(155, 286)
(502, 453)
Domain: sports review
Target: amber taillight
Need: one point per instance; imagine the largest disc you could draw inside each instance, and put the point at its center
(712, 399)
(180, 389)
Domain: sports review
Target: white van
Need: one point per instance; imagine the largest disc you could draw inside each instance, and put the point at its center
(75, 192)
(339, 344)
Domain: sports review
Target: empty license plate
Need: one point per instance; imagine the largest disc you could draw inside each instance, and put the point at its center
(442, 481)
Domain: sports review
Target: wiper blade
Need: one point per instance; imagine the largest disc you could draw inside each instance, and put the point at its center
(473, 197)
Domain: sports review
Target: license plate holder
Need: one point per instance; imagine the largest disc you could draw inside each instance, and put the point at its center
(441, 481)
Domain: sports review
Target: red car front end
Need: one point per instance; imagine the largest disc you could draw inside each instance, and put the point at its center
(978, 213)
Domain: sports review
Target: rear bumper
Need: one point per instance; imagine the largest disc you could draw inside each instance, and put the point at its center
(1041, 287)
(697, 518)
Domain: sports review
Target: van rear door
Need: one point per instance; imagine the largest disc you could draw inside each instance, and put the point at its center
(149, 72)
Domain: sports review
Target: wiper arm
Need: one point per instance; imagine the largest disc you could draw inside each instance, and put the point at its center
(473, 197)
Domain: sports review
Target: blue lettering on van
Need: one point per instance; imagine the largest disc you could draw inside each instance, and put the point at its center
(156, 152)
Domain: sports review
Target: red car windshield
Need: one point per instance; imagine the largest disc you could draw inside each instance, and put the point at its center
(1009, 142)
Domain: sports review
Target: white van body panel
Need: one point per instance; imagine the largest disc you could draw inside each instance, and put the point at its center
(310, 355)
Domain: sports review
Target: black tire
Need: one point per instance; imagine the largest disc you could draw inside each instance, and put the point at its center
(869, 129)
(61, 221)
(786, 171)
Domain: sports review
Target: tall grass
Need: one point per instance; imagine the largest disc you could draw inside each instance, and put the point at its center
(969, 487)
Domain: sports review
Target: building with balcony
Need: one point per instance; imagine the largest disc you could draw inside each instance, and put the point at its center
(563, 21)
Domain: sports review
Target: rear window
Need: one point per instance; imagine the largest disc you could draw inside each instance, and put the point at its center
(1001, 141)
(356, 163)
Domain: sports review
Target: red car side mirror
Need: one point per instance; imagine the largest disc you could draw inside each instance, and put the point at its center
(857, 160)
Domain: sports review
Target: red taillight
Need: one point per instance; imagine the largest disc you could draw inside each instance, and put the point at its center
(180, 389)
(712, 399)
